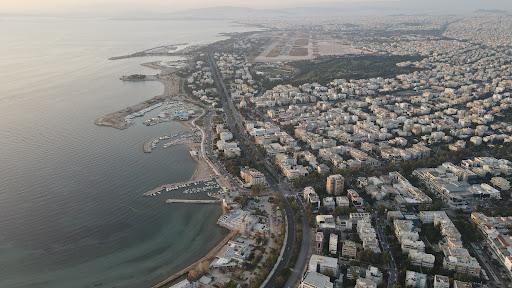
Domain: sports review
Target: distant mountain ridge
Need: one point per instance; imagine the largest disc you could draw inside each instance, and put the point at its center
(227, 12)
(492, 11)
(329, 9)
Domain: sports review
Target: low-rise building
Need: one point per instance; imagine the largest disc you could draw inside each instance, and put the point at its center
(252, 176)
(356, 200)
(396, 187)
(342, 201)
(233, 254)
(184, 284)
(421, 259)
(344, 224)
(333, 244)
(497, 235)
(365, 283)
(240, 220)
(500, 183)
(415, 279)
(460, 284)
(325, 222)
(359, 216)
(349, 249)
(374, 274)
(354, 272)
(324, 265)
(315, 280)
(441, 281)
(368, 236)
(319, 242)
(453, 183)
(410, 243)
(329, 203)
(312, 198)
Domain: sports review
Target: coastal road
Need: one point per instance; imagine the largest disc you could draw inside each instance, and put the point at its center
(302, 259)
(485, 260)
(235, 123)
(386, 247)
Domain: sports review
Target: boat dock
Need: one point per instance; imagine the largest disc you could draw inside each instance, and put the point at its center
(191, 201)
(171, 187)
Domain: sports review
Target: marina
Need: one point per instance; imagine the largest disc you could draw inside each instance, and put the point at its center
(209, 186)
(175, 139)
(142, 112)
(191, 201)
(172, 110)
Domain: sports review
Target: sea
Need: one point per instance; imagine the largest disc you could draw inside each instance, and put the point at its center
(72, 212)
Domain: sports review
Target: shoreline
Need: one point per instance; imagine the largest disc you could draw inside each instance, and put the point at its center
(208, 257)
(202, 170)
(174, 88)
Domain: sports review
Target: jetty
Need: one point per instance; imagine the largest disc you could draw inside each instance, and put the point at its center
(166, 50)
(208, 257)
(192, 201)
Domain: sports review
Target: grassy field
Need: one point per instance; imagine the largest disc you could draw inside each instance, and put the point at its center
(358, 67)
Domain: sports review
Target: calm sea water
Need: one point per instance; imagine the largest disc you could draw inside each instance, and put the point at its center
(71, 210)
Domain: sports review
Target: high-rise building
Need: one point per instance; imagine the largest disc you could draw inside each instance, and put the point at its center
(335, 184)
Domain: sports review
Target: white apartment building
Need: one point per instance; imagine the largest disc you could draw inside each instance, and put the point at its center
(315, 280)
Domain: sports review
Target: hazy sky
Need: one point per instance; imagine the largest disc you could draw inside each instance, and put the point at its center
(59, 6)
(170, 5)
(163, 6)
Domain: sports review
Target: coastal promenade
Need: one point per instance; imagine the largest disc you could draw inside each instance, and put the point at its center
(203, 143)
(208, 257)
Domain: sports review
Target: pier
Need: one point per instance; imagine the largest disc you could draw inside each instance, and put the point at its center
(192, 201)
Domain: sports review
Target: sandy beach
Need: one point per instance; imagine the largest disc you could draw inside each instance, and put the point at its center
(203, 170)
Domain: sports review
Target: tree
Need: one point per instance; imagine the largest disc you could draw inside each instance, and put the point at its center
(407, 262)
(339, 211)
(257, 189)
(381, 208)
(230, 284)
(369, 256)
(197, 271)
(385, 257)
(243, 200)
